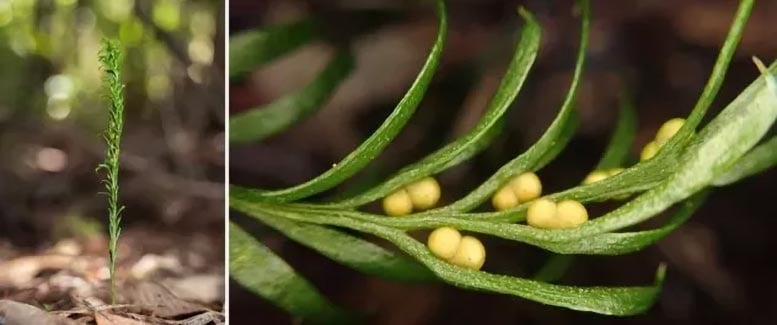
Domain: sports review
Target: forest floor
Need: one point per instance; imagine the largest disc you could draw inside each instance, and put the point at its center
(161, 278)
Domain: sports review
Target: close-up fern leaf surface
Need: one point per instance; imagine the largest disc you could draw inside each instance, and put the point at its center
(401, 205)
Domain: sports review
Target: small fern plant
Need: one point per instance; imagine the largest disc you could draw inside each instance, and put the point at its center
(684, 163)
(111, 61)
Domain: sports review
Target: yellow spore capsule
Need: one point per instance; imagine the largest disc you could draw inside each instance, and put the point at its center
(570, 214)
(444, 242)
(526, 187)
(648, 151)
(596, 176)
(504, 199)
(471, 254)
(424, 193)
(668, 130)
(398, 203)
(542, 214)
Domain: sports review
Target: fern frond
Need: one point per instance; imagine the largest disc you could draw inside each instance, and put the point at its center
(111, 60)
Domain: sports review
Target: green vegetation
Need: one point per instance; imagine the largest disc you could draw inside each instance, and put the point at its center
(61, 96)
(680, 174)
(111, 59)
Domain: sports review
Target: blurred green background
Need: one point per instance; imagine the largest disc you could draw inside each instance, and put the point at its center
(52, 116)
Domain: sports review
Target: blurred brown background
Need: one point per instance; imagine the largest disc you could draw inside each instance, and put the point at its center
(720, 262)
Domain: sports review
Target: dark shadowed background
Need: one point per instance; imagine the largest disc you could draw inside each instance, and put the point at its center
(720, 262)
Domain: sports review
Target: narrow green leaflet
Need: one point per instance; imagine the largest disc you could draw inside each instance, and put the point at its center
(251, 49)
(348, 250)
(646, 175)
(555, 268)
(553, 141)
(374, 145)
(722, 152)
(760, 158)
(757, 160)
(710, 154)
(628, 242)
(261, 122)
(567, 132)
(620, 301)
(715, 81)
(604, 300)
(615, 155)
(621, 140)
(730, 134)
(477, 139)
(643, 176)
(597, 244)
(720, 144)
(259, 270)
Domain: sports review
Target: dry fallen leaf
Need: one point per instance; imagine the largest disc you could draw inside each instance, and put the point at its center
(204, 319)
(205, 288)
(159, 300)
(105, 318)
(16, 313)
(18, 272)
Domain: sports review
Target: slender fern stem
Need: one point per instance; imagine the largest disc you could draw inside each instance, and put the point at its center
(111, 60)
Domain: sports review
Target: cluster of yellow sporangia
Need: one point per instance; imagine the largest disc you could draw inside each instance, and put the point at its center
(523, 188)
(543, 213)
(467, 251)
(666, 132)
(464, 251)
(420, 195)
(547, 214)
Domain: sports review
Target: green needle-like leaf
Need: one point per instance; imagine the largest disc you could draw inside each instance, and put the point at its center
(547, 147)
(259, 270)
(615, 155)
(646, 175)
(717, 76)
(111, 59)
(354, 252)
(713, 151)
(598, 244)
(643, 176)
(620, 301)
(261, 122)
(617, 151)
(562, 138)
(759, 159)
(720, 153)
(251, 49)
(555, 268)
(480, 136)
(611, 301)
(710, 154)
(628, 242)
(374, 145)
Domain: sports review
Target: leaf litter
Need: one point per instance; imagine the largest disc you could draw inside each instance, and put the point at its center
(162, 280)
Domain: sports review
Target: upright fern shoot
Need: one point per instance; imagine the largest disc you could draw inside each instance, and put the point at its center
(111, 59)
